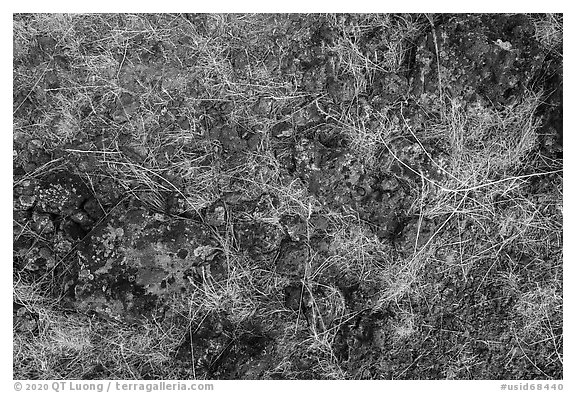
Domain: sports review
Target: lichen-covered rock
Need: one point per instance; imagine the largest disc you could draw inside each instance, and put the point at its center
(42, 224)
(411, 161)
(476, 58)
(26, 186)
(340, 180)
(282, 129)
(26, 201)
(259, 237)
(24, 320)
(36, 258)
(82, 218)
(293, 259)
(216, 214)
(61, 193)
(51, 207)
(135, 260)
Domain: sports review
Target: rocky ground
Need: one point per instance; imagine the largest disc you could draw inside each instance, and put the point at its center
(287, 196)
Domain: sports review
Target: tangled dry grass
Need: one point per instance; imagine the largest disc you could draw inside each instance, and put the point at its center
(484, 209)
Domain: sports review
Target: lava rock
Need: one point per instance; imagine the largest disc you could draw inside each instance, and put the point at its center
(135, 260)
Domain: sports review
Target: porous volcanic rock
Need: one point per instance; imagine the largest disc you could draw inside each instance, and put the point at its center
(489, 59)
(135, 260)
